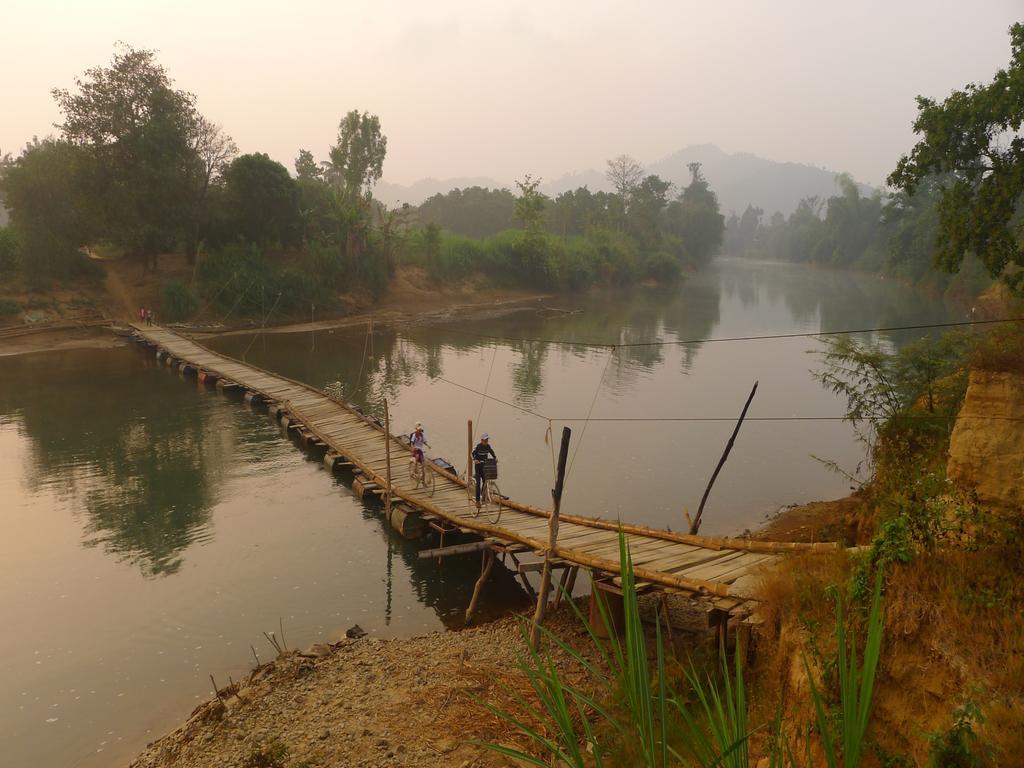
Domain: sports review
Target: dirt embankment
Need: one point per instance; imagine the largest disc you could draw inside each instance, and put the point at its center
(411, 702)
(126, 286)
(814, 522)
(986, 450)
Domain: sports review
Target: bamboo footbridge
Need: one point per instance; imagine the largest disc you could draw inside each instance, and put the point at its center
(349, 439)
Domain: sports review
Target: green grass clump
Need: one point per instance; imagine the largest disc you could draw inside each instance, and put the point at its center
(270, 755)
(9, 307)
(639, 717)
(856, 689)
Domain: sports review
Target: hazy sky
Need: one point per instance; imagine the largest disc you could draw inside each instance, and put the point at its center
(502, 89)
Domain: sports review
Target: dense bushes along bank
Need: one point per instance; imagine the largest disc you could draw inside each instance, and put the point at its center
(136, 170)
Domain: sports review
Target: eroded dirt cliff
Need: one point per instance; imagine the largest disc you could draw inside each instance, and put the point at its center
(986, 451)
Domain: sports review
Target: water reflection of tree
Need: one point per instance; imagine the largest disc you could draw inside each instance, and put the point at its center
(136, 450)
(693, 314)
(528, 371)
(826, 299)
(742, 280)
(399, 356)
(816, 298)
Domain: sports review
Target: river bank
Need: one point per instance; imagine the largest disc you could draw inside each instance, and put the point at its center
(366, 702)
(419, 701)
(388, 315)
(180, 527)
(411, 297)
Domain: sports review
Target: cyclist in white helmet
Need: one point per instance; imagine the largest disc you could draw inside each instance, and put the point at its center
(418, 441)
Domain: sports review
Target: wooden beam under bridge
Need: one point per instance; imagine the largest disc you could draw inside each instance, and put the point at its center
(455, 549)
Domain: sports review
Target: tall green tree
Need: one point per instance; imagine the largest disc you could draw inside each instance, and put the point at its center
(139, 131)
(852, 222)
(973, 140)
(212, 150)
(318, 202)
(531, 253)
(912, 222)
(356, 161)
(649, 199)
(306, 167)
(9, 250)
(473, 211)
(576, 212)
(530, 204)
(694, 218)
(49, 209)
(354, 165)
(747, 227)
(261, 201)
(625, 174)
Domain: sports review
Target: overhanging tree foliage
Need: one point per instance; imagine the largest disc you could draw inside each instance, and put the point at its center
(973, 140)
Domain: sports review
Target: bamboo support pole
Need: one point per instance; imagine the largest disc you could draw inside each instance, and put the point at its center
(572, 581)
(486, 565)
(469, 456)
(695, 525)
(387, 452)
(561, 585)
(545, 579)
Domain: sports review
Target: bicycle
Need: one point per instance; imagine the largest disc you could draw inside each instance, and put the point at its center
(421, 476)
(490, 493)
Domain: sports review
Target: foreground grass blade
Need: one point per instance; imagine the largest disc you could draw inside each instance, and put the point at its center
(856, 687)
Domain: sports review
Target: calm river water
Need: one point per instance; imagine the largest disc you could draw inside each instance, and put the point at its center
(155, 530)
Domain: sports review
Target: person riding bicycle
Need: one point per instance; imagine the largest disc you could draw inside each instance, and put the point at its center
(418, 441)
(480, 453)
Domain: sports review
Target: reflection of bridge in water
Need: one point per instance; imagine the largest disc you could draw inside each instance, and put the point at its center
(719, 568)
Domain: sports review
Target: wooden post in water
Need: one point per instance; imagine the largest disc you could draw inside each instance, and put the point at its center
(387, 462)
(545, 578)
(695, 525)
(469, 457)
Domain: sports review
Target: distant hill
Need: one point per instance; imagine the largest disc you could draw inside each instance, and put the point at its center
(738, 179)
(741, 179)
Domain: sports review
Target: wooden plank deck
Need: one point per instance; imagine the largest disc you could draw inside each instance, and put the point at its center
(665, 559)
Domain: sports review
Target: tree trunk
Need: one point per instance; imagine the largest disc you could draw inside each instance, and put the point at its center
(192, 246)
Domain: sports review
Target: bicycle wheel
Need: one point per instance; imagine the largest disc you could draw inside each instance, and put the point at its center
(496, 498)
(412, 473)
(429, 481)
(472, 499)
